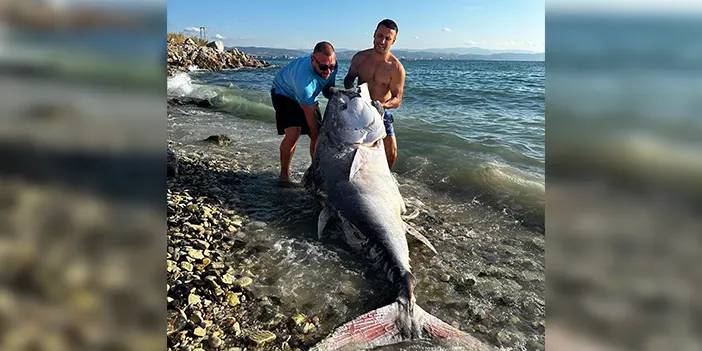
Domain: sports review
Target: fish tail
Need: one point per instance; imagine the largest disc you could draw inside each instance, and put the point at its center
(397, 322)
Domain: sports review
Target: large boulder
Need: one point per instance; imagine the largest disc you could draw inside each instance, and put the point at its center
(217, 45)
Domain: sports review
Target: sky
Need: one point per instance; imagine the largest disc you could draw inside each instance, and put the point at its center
(489, 24)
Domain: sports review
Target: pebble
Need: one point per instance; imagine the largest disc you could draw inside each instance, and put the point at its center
(199, 331)
(196, 254)
(227, 279)
(232, 299)
(503, 338)
(215, 342)
(196, 317)
(193, 299)
(445, 278)
(256, 225)
(243, 282)
(187, 266)
(262, 337)
(299, 318)
(170, 266)
(236, 328)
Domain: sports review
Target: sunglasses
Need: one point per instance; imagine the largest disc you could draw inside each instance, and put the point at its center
(324, 67)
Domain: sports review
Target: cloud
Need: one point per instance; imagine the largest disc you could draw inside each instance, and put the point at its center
(191, 29)
(446, 29)
(471, 43)
(416, 37)
(219, 36)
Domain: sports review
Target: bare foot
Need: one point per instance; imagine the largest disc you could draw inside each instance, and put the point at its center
(287, 183)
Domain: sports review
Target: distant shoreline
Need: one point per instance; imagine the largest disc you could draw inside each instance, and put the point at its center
(403, 54)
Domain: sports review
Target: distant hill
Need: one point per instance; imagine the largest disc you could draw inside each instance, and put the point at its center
(472, 53)
(269, 53)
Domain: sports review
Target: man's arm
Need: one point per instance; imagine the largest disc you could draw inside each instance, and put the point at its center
(310, 118)
(397, 88)
(352, 73)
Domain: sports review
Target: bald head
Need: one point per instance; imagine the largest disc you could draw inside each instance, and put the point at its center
(324, 47)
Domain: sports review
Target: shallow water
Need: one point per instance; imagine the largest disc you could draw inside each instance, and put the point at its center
(487, 280)
(466, 128)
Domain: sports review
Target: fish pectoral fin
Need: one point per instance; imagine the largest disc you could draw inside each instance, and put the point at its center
(360, 158)
(419, 236)
(324, 216)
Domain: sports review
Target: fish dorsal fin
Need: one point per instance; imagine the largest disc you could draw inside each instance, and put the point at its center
(419, 236)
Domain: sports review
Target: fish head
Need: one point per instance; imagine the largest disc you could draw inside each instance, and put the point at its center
(350, 118)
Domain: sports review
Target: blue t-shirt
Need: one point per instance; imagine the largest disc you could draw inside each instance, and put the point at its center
(300, 82)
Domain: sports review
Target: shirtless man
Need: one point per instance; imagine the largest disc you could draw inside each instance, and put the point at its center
(385, 77)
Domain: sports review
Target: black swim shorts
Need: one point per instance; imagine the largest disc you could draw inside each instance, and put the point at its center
(288, 113)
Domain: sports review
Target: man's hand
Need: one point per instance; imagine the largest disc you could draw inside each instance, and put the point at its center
(378, 106)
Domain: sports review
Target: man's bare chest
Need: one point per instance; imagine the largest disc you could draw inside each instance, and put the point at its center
(376, 73)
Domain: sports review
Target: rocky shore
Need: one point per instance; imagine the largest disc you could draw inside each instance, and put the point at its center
(210, 301)
(185, 53)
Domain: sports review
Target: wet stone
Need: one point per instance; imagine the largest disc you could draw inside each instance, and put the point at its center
(220, 139)
(196, 254)
(215, 342)
(236, 328)
(256, 225)
(243, 282)
(196, 317)
(503, 338)
(298, 319)
(170, 266)
(199, 331)
(227, 279)
(232, 299)
(193, 299)
(186, 266)
(308, 327)
(262, 337)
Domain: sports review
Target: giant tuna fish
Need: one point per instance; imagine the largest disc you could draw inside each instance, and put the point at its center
(351, 178)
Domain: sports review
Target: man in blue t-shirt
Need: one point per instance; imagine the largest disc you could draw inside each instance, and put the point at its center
(294, 91)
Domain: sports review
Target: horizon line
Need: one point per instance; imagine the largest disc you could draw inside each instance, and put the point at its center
(523, 51)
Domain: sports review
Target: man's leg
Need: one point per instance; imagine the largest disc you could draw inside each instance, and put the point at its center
(287, 149)
(390, 143)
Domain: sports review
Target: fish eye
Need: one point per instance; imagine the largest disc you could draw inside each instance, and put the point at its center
(344, 106)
